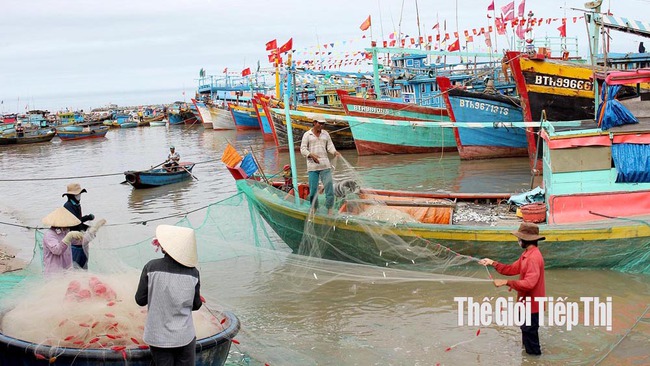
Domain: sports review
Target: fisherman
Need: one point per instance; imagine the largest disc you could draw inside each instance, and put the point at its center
(315, 145)
(171, 164)
(57, 256)
(530, 268)
(170, 288)
(20, 130)
(73, 204)
(286, 174)
(489, 86)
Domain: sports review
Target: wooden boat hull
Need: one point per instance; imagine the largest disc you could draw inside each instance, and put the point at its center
(302, 122)
(157, 177)
(245, 117)
(374, 136)
(602, 244)
(361, 107)
(28, 138)
(221, 118)
(210, 351)
(484, 143)
(77, 133)
(265, 125)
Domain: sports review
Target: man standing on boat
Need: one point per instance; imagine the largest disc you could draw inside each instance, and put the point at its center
(530, 268)
(315, 145)
(172, 160)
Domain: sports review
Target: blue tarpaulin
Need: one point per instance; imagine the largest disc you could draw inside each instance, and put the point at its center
(532, 196)
(610, 111)
(632, 162)
(248, 165)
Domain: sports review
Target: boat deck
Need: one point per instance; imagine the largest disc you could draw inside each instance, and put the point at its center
(639, 107)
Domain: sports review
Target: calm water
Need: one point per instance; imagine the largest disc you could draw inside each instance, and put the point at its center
(339, 322)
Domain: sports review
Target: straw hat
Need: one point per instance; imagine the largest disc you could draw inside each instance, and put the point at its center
(179, 242)
(61, 217)
(74, 189)
(528, 231)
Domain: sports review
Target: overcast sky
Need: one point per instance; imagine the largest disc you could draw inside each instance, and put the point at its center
(81, 54)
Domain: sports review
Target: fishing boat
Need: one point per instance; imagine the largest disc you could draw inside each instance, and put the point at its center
(470, 106)
(74, 132)
(30, 137)
(245, 117)
(158, 123)
(159, 177)
(387, 132)
(595, 211)
(210, 351)
(336, 125)
(266, 126)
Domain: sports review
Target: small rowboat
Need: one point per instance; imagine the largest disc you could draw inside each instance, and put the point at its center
(78, 132)
(158, 177)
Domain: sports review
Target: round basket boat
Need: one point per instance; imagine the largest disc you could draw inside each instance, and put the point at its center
(210, 351)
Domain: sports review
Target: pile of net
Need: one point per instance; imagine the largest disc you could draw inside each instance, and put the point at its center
(85, 310)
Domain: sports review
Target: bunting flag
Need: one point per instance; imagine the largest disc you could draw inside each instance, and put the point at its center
(287, 46)
(271, 45)
(562, 29)
(454, 46)
(246, 71)
(230, 156)
(508, 11)
(521, 9)
(366, 24)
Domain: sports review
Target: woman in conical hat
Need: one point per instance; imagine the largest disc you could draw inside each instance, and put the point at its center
(170, 287)
(57, 255)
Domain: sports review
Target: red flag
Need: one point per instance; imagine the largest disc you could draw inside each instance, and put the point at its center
(287, 46)
(246, 71)
(366, 24)
(562, 29)
(520, 32)
(437, 26)
(454, 46)
(225, 70)
(271, 45)
(522, 8)
(508, 11)
(501, 27)
(491, 6)
(488, 41)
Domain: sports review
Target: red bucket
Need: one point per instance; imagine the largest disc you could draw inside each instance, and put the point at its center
(534, 212)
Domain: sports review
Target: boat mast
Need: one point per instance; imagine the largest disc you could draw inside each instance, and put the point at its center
(287, 116)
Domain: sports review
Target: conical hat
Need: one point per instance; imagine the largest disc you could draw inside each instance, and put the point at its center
(179, 242)
(61, 217)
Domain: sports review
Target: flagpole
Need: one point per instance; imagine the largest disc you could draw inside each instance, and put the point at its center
(496, 33)
(287, 116)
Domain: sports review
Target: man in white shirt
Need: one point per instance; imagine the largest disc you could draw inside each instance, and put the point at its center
(172, 160)
(316, 144)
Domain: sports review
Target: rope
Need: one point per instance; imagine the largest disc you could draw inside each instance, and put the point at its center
(623, 337)
(141, 222)
(81, 176)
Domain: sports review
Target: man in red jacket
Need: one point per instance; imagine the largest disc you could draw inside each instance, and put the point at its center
(530, 268)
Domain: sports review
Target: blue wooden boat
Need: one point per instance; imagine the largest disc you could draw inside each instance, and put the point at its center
(484, 143)
(158, 177)
(210, 351)
(245, 117)
(75, 132)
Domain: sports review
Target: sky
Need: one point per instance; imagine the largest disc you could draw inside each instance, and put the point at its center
(80, 54)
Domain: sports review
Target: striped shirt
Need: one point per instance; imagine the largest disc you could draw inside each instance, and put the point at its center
(319, 146)
(171, 292)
